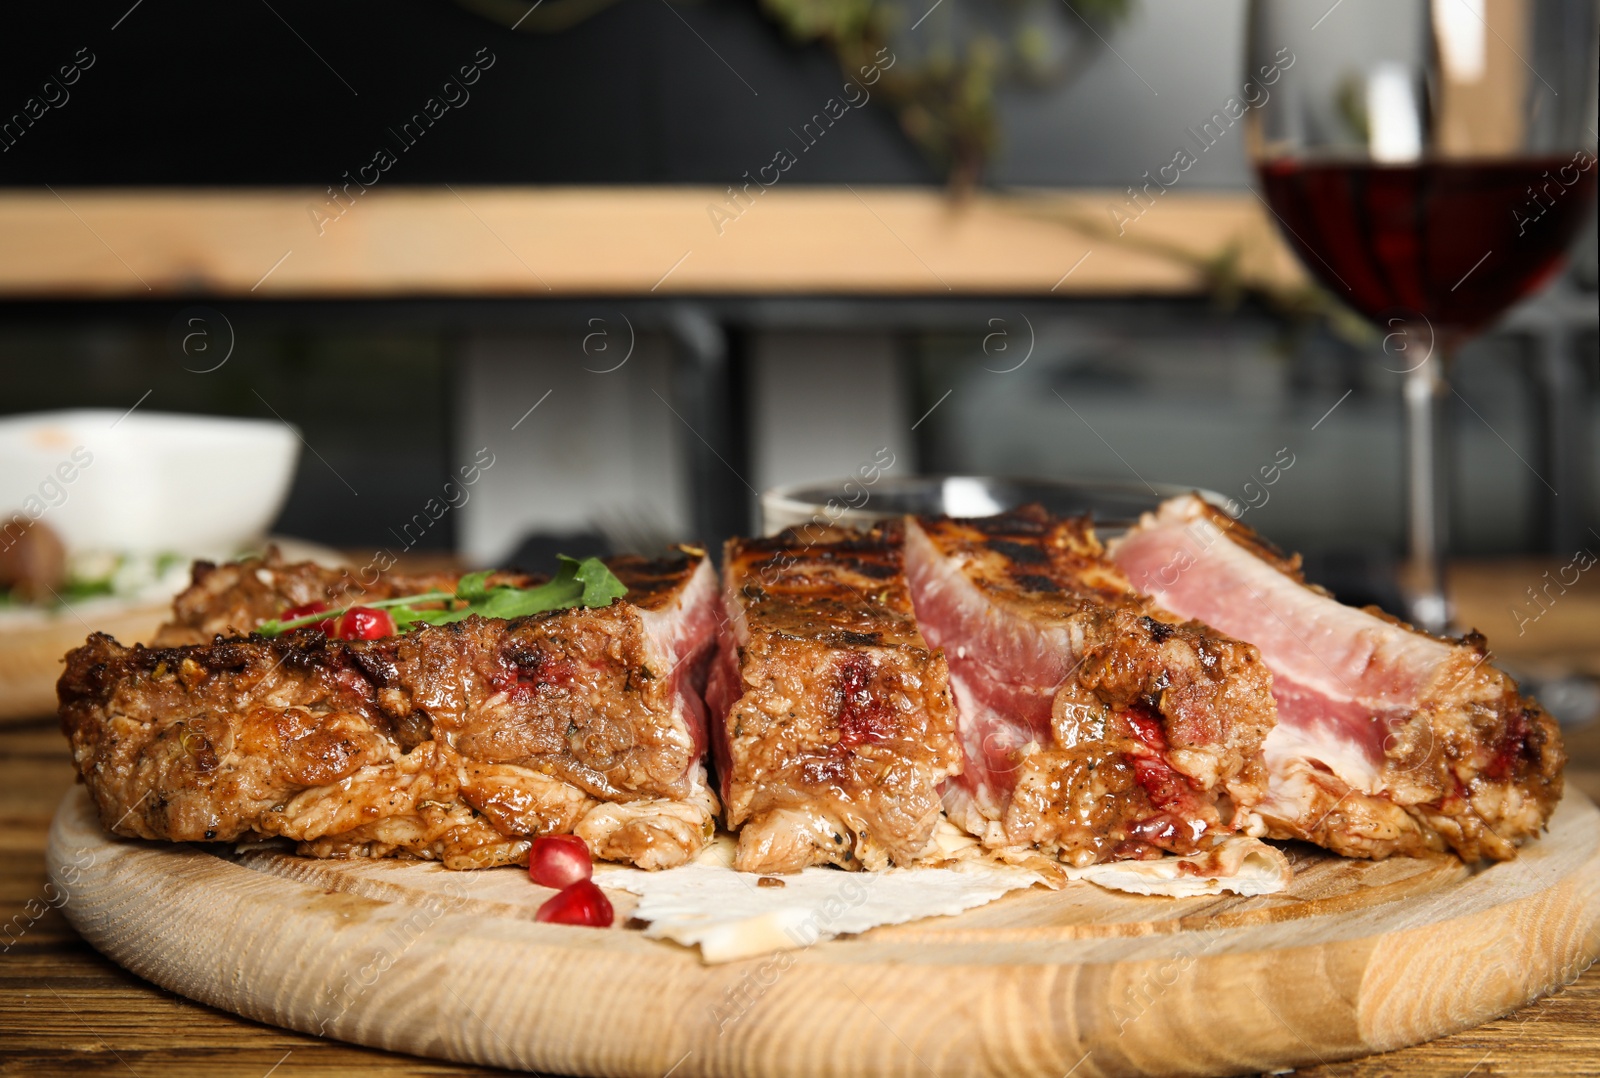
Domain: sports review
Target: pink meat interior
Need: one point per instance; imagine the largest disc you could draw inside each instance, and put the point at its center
(684, 629)
(1341, 676)
(1004, 670)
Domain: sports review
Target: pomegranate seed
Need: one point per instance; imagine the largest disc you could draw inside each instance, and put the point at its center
(581, 903)
(559, 861)
(326, 625)
(365, 623)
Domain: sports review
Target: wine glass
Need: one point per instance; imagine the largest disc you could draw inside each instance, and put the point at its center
(1430, 161)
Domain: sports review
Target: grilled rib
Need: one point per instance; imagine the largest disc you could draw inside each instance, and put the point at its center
(1389, 741)
(1094, 725)
(455, 742)
(832, 724)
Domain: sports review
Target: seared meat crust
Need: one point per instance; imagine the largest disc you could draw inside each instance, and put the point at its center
(457, 742)
(832, 717)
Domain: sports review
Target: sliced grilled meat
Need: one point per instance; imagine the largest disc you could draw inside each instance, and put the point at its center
(1388, 740)
(832, 721)
(1094, 725)
(233, 598)
(457, 742)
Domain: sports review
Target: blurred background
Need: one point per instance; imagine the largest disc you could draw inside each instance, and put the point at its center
(955, 266)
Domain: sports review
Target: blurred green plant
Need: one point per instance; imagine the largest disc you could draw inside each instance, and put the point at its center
(945, 90)
(951, 57)
(1231, 277)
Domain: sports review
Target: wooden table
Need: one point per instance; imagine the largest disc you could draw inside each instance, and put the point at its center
(66, 1010)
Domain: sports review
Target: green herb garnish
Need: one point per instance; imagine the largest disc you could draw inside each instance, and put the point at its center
(576, 583)
(79, 590)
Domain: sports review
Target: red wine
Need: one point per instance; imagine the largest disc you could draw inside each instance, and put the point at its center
(1455, 241)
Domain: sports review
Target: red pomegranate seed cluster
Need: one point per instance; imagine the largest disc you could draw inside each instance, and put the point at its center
(357, 623)
(327, 625)
(563, 862)
(365, 623)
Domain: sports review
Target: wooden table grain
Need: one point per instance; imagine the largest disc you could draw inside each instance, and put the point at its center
(66, 1010)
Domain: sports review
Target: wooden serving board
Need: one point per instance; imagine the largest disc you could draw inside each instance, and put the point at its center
(1357, 957)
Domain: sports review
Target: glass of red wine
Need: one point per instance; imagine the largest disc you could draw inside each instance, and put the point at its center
(1429, 161)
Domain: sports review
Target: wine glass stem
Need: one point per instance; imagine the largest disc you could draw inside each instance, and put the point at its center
(1427, 492)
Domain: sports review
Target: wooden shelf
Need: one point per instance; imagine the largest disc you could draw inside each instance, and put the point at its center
(551, 242)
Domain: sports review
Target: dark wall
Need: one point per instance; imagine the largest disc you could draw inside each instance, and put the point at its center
(298, 92)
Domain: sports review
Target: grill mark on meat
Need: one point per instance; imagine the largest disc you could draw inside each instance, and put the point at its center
(832, 718)
(1021, 554)
(1093, 724)
(370, 748)
(1390, 741)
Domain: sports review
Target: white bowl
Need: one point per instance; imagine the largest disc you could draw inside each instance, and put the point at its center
(145, 482)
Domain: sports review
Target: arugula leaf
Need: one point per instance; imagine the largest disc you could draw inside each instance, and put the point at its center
(576, 583)
(407, 616)
(600, 584)
(471, 587)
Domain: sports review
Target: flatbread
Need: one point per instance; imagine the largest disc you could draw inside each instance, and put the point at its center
(1244, 866)
(730, 915)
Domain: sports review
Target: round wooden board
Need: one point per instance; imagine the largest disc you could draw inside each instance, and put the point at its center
(1356, 957)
